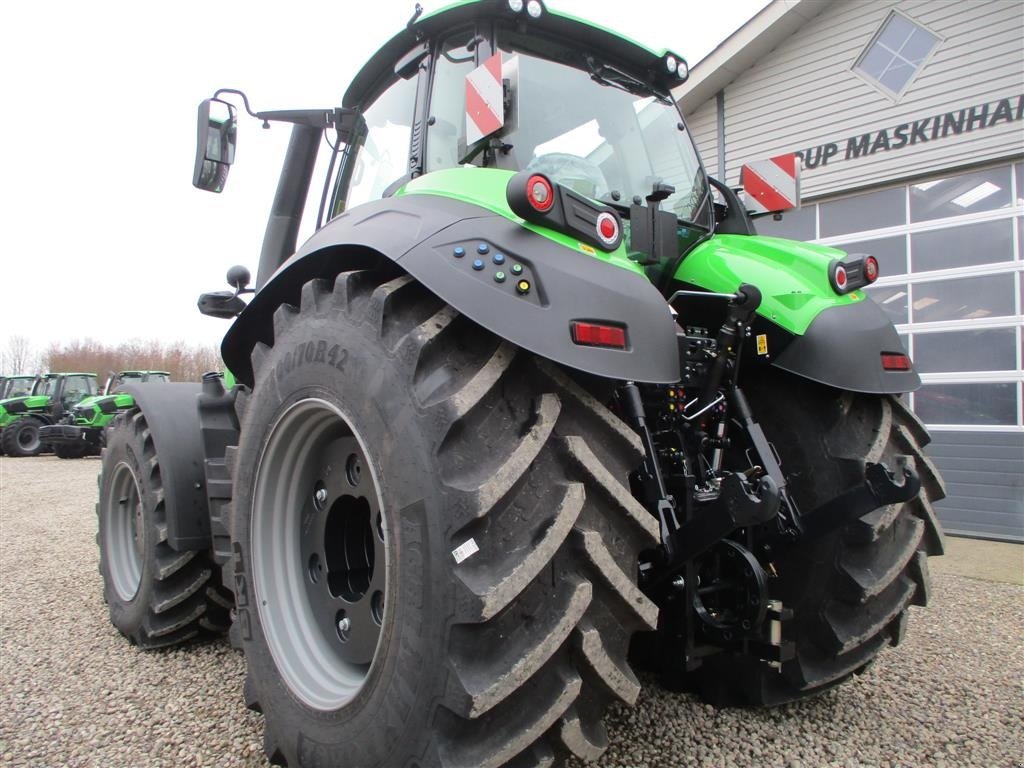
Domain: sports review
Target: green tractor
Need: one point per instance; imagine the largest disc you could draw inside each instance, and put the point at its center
(52, 396)
(81, 431)
(535, 402)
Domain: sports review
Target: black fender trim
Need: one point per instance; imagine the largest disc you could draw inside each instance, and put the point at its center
(843, 348)
(173, 419)
(420, 233)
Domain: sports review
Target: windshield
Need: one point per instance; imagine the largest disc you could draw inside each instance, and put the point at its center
(582, 128)
(19, 386)
(45, 386)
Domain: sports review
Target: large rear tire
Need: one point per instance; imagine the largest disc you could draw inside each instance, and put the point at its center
(435, 550)
(21, 437)
(851, 590)
(156, 595)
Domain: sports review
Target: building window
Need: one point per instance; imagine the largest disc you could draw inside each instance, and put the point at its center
(896, 53)
(951, 252)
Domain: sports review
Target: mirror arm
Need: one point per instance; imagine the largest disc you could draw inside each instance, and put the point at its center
(245, 99)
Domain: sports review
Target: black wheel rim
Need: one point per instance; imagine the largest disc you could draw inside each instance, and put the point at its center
(28, 438)
(319, 554)
(124, 532)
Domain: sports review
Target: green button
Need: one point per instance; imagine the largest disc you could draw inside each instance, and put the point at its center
(517, 269)
(499, 277)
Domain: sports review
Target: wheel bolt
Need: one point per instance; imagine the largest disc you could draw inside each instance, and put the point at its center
(320, 496)
(345, 625)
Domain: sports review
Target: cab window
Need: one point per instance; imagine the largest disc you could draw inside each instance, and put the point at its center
(76, 388)
(446, 128)
(384, 157)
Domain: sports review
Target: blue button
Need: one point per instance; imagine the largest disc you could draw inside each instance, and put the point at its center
(498, 258)
(459, 252)
(482, 248)
(477, 264)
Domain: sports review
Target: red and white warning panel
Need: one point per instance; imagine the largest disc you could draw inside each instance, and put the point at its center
(772, 185)
(485, 112)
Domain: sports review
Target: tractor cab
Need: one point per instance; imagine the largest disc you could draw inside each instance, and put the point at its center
(66, 389)
(488, 86)
(133, 377)
(506, 86)
(18, 386)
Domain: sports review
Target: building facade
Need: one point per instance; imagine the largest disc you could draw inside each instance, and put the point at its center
(909, 119)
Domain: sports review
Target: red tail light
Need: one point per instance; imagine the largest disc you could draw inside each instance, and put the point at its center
(840, 277)
(895, 361)
(871, 269)
(597, 335)
(540, 193)
(608, 229)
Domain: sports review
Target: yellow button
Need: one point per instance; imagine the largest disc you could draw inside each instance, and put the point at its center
(523, 286)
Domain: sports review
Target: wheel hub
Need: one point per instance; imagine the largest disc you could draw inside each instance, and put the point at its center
(319, 554)
(28, 438)
(124, 531)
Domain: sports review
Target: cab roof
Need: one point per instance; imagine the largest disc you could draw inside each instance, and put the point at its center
(611, 47)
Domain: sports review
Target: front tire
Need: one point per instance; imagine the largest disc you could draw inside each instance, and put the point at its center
(21, 437)
(850, 590)
(156, 595)
(482, 614)
(71, 451)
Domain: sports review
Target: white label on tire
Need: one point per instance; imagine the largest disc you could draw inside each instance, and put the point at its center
(466, 549)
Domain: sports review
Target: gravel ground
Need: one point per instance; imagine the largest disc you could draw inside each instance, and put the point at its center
(74, 693)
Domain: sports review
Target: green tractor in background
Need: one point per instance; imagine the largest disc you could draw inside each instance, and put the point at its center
(52, 396)
(534, 402)
(81, 431)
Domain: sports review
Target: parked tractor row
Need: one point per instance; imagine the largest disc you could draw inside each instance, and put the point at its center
(63, 412)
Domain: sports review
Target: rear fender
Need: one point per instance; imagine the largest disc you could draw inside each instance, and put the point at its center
(809, 329)
(422, 234)
(172, 417)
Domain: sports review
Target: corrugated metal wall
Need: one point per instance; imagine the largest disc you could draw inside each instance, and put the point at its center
(984, 474)
(806, 94)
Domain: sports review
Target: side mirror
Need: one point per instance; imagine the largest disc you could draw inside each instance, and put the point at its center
(215, 144)
(222, 304)
(772, 185)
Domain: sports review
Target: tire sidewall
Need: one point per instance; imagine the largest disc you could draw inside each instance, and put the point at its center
(125, 447)
(388, 721)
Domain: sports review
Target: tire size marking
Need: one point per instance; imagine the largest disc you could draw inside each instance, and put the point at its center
(310, 352)
(467, 549)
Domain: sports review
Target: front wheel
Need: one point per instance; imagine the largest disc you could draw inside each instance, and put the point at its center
(71, 450)
(850, 590)
(21, 438)
(435, 553)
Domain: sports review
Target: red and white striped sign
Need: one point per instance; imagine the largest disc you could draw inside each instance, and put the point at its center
(772, 185)
(485, 112)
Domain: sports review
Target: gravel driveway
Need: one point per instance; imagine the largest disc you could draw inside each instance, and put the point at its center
(74, 693)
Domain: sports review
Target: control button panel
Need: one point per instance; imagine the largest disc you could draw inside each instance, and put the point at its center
(501, 270)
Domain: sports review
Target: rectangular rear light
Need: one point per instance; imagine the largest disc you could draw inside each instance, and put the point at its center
(598, 335)
(895, 361)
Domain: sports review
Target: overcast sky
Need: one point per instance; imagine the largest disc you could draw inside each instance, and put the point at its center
(103, 234)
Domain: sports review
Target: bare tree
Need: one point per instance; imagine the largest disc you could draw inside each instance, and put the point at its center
(19, 357)
(183, 361)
